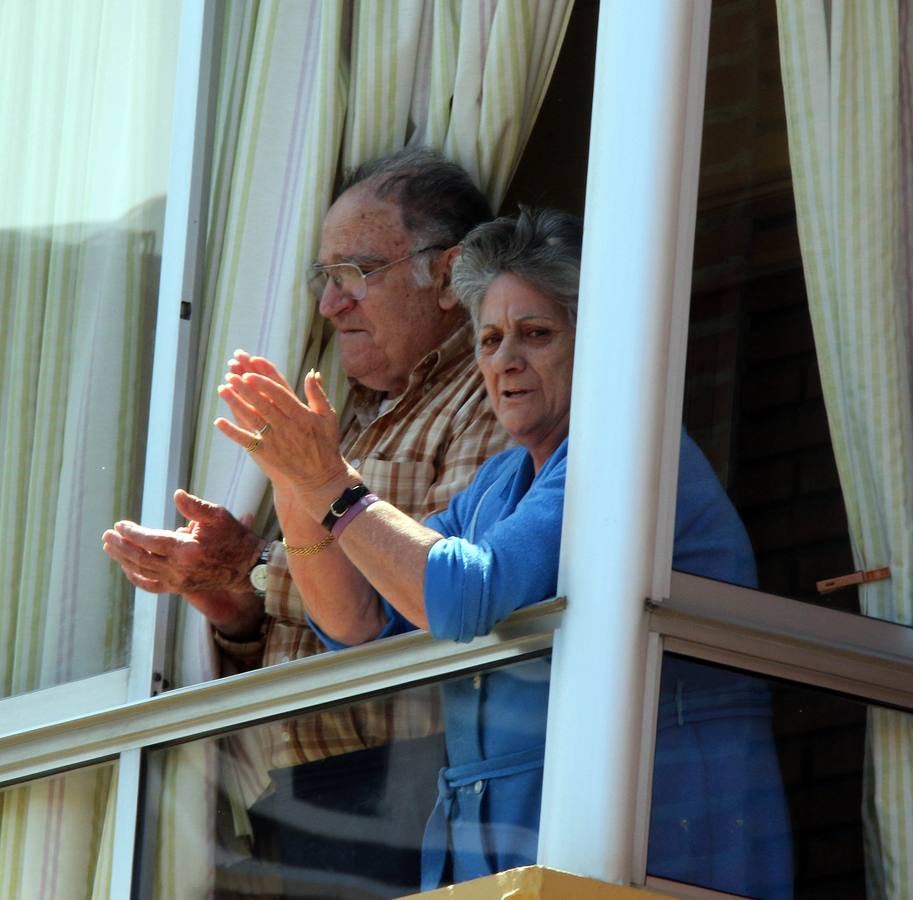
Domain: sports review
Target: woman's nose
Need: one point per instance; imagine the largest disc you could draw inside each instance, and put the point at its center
(508, 357)
(335, 300)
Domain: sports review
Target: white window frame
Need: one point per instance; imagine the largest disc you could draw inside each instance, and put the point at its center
(170, 396)
(623, 454)
(625, 605)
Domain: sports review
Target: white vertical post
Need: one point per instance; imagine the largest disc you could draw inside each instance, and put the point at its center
(178, 310)
(635, 282)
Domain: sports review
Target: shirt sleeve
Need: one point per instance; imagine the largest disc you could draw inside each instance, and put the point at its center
(450, 521)
(470, 586)
(282, 600)
(476, 437)
(446, 522)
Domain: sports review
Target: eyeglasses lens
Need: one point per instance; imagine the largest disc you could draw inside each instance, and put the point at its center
(346, 278)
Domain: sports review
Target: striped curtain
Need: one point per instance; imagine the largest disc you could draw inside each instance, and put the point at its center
(85, 89)
(58, 836)
(848, 86)
(84, 162)
(306, 90)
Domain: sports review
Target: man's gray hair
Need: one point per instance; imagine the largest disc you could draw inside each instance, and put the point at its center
(542, 247)
(437, 199)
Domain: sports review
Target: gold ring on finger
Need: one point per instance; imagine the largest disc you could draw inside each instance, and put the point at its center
(263, 429)
(254, 445)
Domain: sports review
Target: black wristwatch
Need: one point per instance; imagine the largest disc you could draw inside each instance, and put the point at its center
(259, 575)
(340, 506)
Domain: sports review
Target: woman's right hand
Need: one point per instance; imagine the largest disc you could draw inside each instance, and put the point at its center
(295, 443)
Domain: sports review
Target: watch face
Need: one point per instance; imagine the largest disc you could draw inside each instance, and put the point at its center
(258, 578)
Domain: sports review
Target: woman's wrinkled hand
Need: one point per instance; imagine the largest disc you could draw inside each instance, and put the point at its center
(295, 443)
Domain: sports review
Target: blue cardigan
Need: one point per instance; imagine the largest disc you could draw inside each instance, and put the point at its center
(499, 553)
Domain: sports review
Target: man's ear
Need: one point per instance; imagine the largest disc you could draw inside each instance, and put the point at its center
(447, 299)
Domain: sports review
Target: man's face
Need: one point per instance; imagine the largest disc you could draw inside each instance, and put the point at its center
(383, 336)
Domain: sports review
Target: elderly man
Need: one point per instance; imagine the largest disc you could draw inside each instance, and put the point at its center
(417, 426)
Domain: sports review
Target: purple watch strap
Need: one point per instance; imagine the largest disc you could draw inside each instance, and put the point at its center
(359, 506)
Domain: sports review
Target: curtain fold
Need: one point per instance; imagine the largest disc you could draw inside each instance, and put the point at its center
(58, 836)
(847, 82)
(80, 236)
(84, 91)
(307, 90)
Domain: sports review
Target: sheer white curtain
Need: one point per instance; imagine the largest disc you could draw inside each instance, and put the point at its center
(83, 94)
(848, 85)
(85, 88)
(306, 90)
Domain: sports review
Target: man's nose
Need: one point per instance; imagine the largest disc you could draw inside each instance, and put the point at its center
(335, 300)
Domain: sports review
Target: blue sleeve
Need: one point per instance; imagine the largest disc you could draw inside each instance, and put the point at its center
(396, 624)
(447, 521)
(471, 586)
(710, 539)
(456, 517)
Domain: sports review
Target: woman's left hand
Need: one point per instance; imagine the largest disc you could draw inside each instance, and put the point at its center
(296, 444)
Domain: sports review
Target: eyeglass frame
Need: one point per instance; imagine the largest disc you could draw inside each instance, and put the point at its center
(317, 270)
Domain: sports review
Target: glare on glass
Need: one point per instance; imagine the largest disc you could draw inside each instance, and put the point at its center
(353, 802)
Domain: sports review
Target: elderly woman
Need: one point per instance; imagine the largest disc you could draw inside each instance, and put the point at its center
(367, 570)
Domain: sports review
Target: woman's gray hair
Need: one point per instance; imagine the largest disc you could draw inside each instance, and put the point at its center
(542, 247)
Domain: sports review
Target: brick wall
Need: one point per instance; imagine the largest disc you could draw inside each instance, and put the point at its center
(753, 401)
(753, 398)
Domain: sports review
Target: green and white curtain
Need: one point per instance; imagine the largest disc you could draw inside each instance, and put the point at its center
(848, 82)
(86, 89)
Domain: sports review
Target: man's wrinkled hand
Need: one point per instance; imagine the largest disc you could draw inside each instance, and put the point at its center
(207, 560)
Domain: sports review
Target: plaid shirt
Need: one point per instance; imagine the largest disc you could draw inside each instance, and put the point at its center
(417, 453)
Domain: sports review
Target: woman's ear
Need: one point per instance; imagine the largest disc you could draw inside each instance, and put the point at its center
(447, 299)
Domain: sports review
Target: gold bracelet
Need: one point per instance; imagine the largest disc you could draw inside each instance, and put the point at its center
(309, 551)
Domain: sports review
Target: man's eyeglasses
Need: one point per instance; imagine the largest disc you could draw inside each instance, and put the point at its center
(350, 278)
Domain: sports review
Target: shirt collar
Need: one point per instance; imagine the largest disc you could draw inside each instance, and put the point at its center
(366, 402)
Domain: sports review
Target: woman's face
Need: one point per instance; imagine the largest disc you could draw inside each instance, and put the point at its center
(525, 348)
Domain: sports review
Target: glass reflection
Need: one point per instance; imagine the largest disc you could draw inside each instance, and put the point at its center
(360, 824)
(719, 817)
(57, 835)
(88, 87)
(766, 789)
(753, 393)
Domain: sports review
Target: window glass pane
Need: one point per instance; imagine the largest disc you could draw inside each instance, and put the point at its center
(365, 823)
(753, 396)
(56, 835)
(85, 101)
(769, 789)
